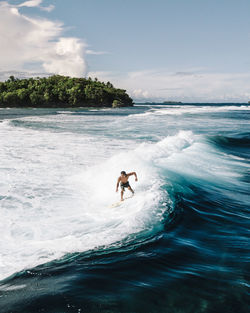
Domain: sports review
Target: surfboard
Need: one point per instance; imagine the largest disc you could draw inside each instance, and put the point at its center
(116, 204)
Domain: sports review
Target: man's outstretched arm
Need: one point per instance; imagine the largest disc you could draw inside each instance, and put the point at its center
(133, 173)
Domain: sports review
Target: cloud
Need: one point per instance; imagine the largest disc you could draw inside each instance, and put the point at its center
(184, 73)
(186, 86)
(37, 43)
(4, 75)
(48, 8)
(140, 94)
(31, 3)
(36, 3)
(66, 58)
(92, 52)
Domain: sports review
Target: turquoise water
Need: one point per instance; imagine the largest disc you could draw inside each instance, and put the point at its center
(180, 245)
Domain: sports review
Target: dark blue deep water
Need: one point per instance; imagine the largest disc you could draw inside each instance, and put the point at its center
(180, 245)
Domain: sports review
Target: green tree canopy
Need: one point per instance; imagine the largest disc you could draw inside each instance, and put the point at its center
(61, 91)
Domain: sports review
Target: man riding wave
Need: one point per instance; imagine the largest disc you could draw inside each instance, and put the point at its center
(124, 183)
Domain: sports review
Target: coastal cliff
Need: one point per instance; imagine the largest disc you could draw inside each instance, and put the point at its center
(61, 91)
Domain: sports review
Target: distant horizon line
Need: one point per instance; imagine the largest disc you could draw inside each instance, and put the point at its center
(181, 103)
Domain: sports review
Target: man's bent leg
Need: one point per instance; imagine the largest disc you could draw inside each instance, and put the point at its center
(130, 189)
(121, 195)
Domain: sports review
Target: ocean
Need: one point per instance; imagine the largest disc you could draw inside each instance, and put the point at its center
(180, 245)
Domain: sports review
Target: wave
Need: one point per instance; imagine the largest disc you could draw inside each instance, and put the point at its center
(75, 215)
(237, 146)
(225, 141)
(192, 109)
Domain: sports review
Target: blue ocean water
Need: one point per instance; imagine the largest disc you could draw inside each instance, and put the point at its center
(181, 244)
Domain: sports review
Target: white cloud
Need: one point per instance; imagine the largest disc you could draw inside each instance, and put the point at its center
(92, 52)
(38, 43)
(4, 75)
(140, 94)
(186, 86)
(48, 8)
(65, 57)
(31, 3)
(36, 3)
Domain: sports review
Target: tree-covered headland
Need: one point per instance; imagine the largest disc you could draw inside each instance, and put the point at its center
(61, 91)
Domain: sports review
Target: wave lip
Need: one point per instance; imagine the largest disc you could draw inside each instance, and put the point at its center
(243, 140)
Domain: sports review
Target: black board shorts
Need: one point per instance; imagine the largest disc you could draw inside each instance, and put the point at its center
(125, 185)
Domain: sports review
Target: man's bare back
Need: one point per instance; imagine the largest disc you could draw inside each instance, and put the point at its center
(123, 181)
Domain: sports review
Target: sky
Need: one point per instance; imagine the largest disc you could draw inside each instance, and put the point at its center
(158, 50)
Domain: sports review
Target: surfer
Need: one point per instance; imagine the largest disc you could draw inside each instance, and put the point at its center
(123, 179)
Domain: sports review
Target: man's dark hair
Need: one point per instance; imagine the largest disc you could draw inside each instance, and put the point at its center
(123, 172)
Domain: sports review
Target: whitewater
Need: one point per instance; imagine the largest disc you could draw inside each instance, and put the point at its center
(59, 170)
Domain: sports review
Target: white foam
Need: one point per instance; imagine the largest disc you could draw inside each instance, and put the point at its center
(65, 112)
(203, 109)
(57, 189)
(192, 109)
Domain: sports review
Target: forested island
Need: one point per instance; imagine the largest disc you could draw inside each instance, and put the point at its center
(61, 91)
